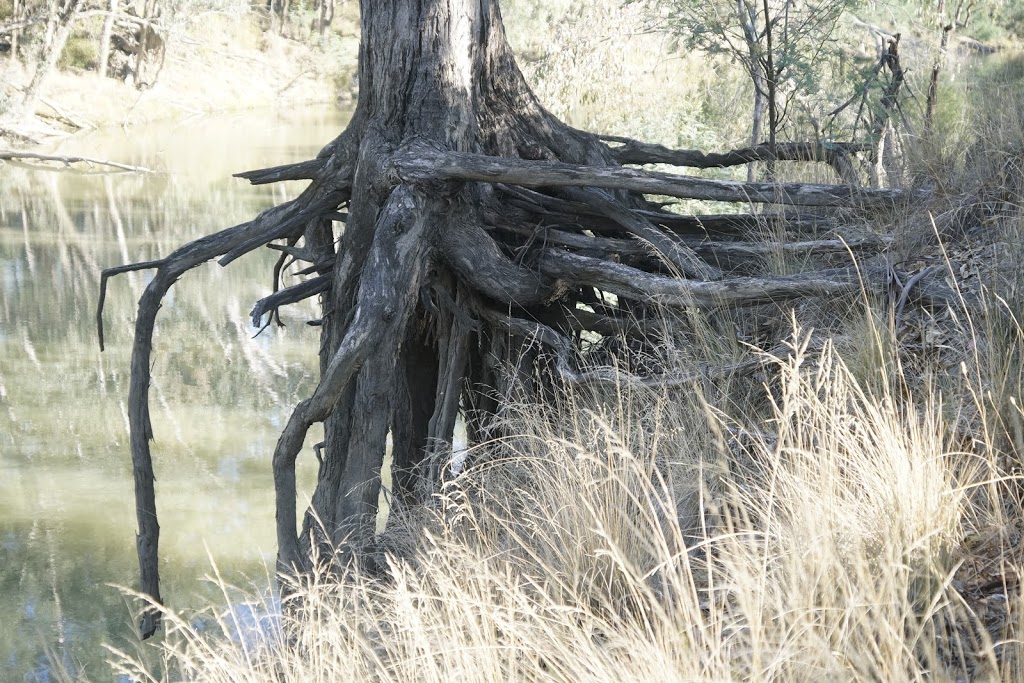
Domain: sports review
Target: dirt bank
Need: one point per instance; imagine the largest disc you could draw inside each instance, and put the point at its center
(228, 64)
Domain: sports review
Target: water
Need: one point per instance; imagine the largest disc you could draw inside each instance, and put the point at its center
(219, 397)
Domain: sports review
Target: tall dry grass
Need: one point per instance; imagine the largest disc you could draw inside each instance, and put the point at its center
(638, 535)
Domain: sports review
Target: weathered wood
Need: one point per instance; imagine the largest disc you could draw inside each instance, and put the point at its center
(68, 160)
(564, 350)
(303, 170)
(289, 295)
(557, 210)
(421, 163)
(667, 245)
(272, 224)
(411, 411)
(393, 266)
(435, 264)
(718, 252)
(623, 280)
(451, 374)
(630, 151)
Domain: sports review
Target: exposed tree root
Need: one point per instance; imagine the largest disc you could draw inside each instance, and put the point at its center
(482, 238)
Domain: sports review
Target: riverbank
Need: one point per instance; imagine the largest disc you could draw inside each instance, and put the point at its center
(227, 64)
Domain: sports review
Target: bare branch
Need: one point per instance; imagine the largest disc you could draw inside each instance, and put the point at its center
(68, 160)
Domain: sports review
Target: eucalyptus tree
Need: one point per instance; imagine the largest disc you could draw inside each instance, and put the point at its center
(60, 17)
(459, 236)
(778, 43)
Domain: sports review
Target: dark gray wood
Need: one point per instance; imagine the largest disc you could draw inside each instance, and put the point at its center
(420, 162)
(437, 265)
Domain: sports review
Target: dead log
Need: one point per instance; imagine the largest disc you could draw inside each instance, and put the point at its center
(67, 161)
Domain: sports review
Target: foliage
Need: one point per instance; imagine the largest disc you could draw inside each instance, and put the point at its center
(780, 44)
(1009, 15)
(79, 53)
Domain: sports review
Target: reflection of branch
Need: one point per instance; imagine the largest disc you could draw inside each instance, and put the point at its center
(68, 160)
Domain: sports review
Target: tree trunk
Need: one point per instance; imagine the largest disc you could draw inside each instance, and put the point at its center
(746, 13)
(17, 14)
(434, 297)
(771, 76)
(888, 156)
(933, 80)
(961, 14)
(757, 123)
(58, 32)
(325, 15)
(108, 28)
(149, 59)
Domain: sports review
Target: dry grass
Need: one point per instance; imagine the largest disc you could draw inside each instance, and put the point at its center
(652, 536)
(851, 514)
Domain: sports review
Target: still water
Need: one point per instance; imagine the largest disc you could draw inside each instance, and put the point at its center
(219, 396)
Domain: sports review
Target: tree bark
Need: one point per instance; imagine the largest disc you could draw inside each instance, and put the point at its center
(433, 295)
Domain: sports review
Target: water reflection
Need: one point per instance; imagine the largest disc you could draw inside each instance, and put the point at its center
(218, 397)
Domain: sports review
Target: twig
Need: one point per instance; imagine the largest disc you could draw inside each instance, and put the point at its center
(905, 294)
(79, 123)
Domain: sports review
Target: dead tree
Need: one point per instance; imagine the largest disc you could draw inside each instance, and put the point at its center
(452, 226)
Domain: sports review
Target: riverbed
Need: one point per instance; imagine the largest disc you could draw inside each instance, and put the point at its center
(219, 395)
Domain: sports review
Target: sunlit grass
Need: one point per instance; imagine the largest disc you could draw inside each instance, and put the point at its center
(658, 538)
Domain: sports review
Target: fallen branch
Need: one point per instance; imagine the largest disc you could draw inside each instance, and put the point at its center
(12, 155)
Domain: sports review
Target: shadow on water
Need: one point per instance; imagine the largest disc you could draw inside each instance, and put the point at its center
(219, 396)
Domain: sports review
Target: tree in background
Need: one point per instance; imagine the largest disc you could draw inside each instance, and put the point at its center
(951, 17)
(60, 17)
(778, 43)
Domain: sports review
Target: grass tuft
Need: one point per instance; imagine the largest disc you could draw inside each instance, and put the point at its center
(645, 535)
